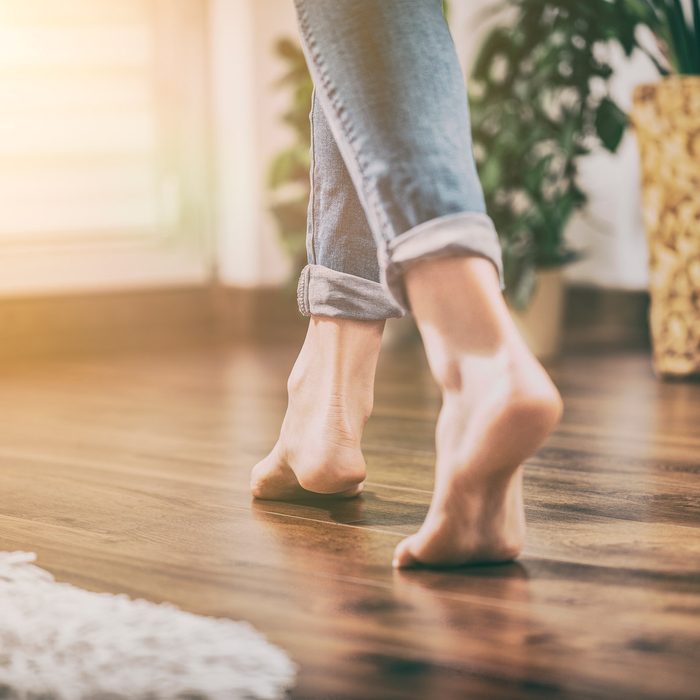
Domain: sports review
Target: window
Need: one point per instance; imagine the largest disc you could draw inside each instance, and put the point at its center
(103, 172)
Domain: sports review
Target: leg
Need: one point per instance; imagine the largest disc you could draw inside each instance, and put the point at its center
(342, 277)
(498, 407)
(389, 83)
(331, 385)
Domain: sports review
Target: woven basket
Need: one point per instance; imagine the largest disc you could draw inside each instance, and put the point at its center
(666, 118)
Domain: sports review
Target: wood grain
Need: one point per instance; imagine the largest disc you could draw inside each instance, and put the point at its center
(129, 474)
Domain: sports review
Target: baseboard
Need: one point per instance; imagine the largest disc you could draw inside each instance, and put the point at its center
(605, 319)
(267, 314)
(99, 322)
(120, 321)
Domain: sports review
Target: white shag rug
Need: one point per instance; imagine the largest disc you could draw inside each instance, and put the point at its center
(59, 642)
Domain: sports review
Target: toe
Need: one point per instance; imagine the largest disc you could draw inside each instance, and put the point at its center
(403, 555)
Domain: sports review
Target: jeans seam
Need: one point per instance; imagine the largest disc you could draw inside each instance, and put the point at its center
(302, 303)
(312, 179)
(382, 221)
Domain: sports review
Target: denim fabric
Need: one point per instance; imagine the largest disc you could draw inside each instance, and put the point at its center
(342, 277)
(393, 176)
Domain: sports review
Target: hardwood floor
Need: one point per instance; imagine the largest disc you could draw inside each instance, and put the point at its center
(130, 474)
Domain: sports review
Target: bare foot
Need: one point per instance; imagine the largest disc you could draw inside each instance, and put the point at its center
(331, 390)
(498, 407)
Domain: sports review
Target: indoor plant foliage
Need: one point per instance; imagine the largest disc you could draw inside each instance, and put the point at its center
(288, 176)
(666, 117)
(677, 33)
(539, 99)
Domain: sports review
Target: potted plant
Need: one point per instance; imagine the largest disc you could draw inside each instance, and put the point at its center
(540, 100)
(666, 118)
(288, 174)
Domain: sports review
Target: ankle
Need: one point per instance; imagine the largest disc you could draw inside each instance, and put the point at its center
(466, 327)
(337, 365)
(511, 371)
(353, 340)
(339, 346)
(459, 301)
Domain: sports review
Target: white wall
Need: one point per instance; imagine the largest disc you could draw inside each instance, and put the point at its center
(236, 191)
(609, 231)
(273, 19)
(102, 157)
(246, 134)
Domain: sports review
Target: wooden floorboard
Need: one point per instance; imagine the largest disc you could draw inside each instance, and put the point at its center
(129, 474)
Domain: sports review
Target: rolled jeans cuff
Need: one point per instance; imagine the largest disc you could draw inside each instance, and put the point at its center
(466, 233)
(325, 292)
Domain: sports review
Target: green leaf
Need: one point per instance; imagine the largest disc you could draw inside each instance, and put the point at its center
(491, 173)
(675, 20)
(610, 123)
(694, 33)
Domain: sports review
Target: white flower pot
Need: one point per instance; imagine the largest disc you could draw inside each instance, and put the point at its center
(541, 322)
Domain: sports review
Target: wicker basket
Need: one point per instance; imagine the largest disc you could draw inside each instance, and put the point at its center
(666, 118)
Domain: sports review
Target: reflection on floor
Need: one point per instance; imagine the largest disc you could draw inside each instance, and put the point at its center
(130, 473)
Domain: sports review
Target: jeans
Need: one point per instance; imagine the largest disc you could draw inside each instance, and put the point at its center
(393, 178)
